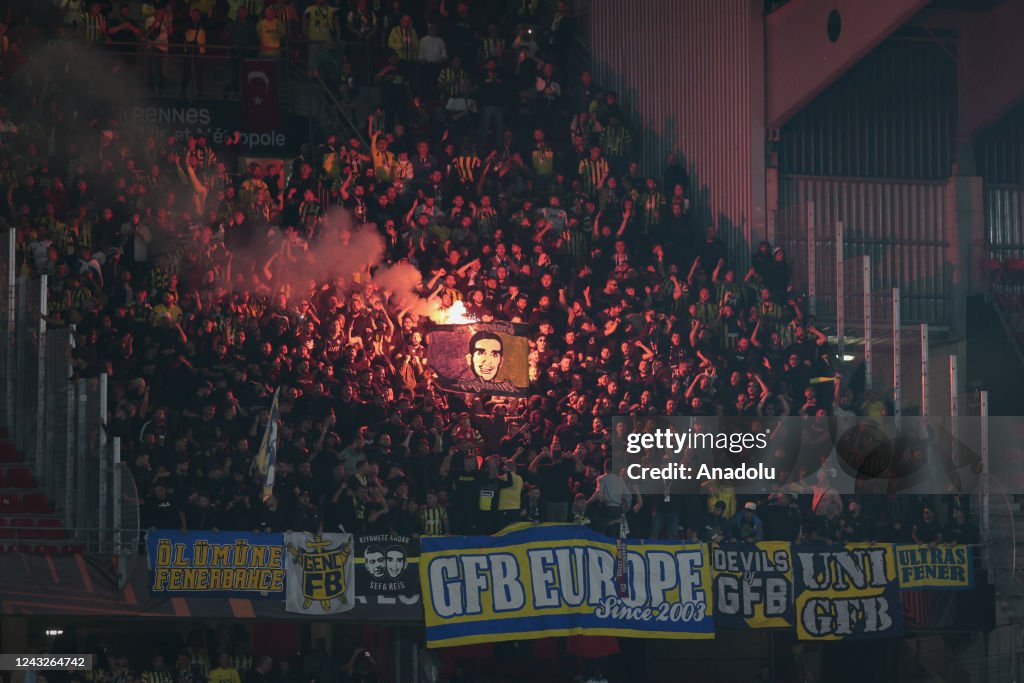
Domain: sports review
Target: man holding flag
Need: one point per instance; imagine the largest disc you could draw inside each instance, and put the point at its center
(266, 459)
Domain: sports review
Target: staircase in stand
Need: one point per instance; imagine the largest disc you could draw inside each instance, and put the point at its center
(28, 521)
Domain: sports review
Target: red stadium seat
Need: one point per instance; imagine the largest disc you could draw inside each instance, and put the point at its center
(5, 533)
(10, 503)
(51, 528)
(47, 550)
(7, 452)
(3, 477)
(36, 502)
(20, 478)
(21, 548)
(24, 527)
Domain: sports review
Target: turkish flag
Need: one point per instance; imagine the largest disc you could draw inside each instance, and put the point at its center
(261, 110)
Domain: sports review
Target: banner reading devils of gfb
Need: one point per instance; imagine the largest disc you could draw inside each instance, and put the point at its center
(846, 592)
(556, 580)
(489, 358)
(753, 584)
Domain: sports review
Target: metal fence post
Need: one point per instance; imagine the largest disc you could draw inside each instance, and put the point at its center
(954, 410)
(102, 459)
(812, 271)
(42, 466)
(70, 455)
(840, 290)
(84, 519)
(115, 512)
(897, 365)
(868, 332)
(924, 369)
(12, 329)
(20, 305)
(986, 509)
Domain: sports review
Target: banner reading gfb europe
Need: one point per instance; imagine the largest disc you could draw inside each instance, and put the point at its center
(753, 584)
(847, 591)
(216, 564)
(556, 580)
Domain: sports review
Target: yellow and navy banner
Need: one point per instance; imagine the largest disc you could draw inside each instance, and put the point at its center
(320, 575)
(753, 585)
(216, 564)
(847, 591)
(940, 566)
(560, 579)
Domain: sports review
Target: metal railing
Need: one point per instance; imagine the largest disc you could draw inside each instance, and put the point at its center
(57, 419)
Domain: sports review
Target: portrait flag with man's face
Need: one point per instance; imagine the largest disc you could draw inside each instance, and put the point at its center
(481, 358)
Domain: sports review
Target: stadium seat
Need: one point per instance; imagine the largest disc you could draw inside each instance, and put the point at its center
(3, 477)
(21, 548)
(51, 528)
(10, 503)
(5, 532)
(48, 549)
(7, 452)
(20, 478)
(24, 528)
(36, 502)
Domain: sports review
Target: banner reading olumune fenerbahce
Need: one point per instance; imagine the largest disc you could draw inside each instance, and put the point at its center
(489, 358)
(753, 584)
(556, 580)
(942, 566)
(216, 564)
(847, 591)
(320, 573)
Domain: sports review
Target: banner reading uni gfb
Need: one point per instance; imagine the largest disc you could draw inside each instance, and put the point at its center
(557, 580)
(847, 591)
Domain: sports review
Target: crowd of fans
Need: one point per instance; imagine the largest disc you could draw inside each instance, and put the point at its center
(512, 184)
(223, 655)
